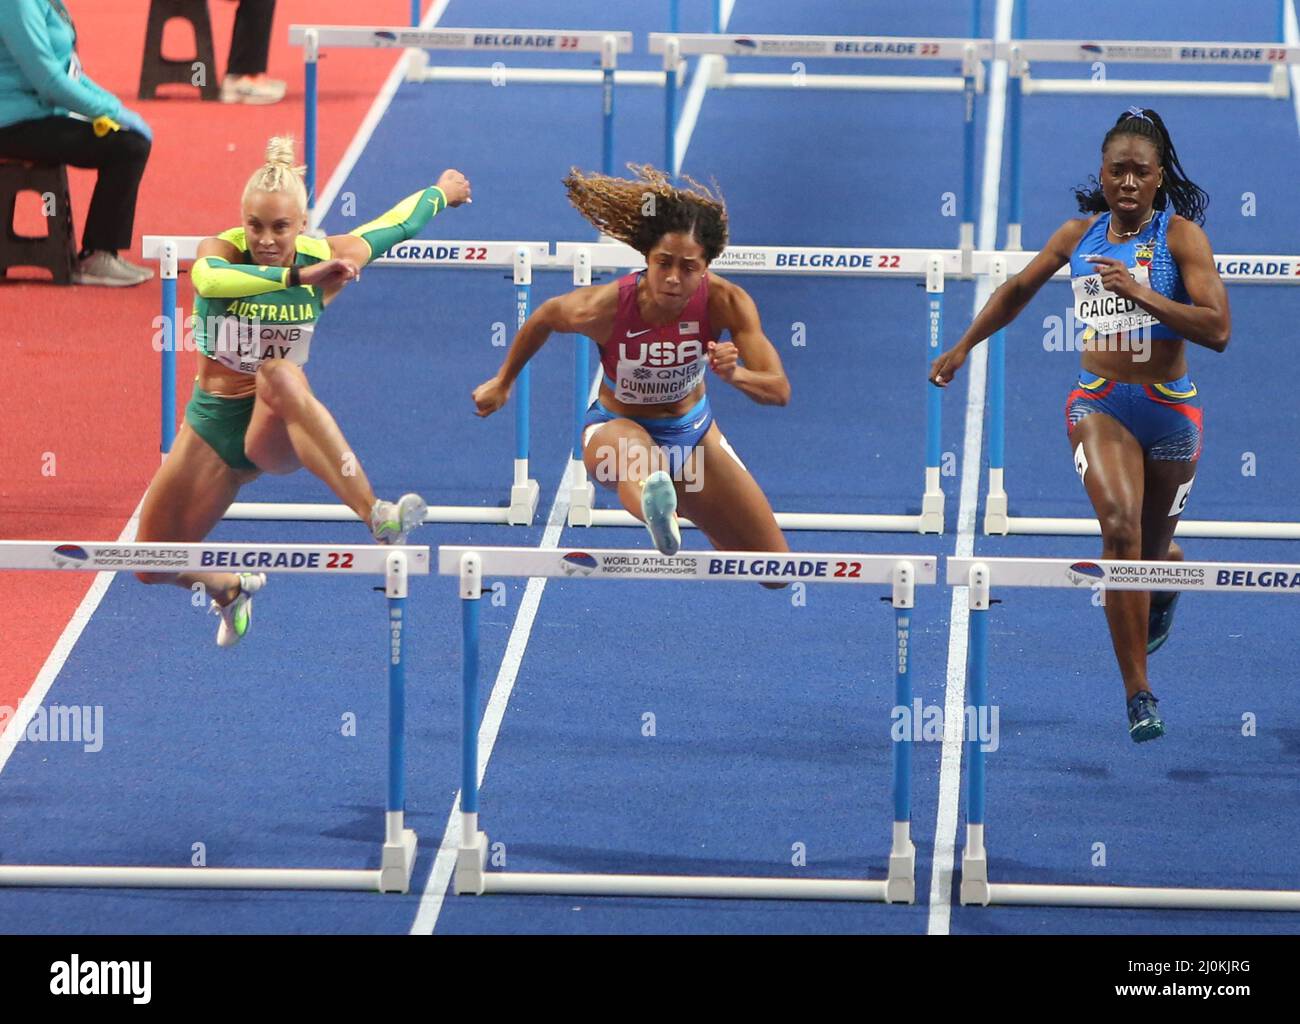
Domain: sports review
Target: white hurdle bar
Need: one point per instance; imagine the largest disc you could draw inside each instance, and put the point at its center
(519, 257)
(716, 48)
(395, 564)
(933, 266)
(981, 575)
(472, 565)
(1234, 269)
(417, 41)
(1020, 51)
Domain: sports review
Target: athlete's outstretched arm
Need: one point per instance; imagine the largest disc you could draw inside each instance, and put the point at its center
(578, 312)
(761, 376)
(1010, 298)
(403, 221)
(218, 274)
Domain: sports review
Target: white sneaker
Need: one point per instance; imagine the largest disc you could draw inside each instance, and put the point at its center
(110, 270)
(391, 521)
(237, 616)
(257, 90)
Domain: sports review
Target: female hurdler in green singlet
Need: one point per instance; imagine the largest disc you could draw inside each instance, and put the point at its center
(260, 289)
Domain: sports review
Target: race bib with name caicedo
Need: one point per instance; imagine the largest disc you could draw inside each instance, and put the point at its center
(1108, 313)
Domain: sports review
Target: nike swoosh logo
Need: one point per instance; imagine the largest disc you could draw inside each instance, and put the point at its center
(637, 334)
(696, 424)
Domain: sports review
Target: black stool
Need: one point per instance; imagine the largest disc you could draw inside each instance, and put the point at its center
(157, 70)
(56, 250)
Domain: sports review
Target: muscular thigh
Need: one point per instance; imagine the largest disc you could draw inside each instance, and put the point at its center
(267, 441)
(723, 499)
(190, 492)
(1109, 460)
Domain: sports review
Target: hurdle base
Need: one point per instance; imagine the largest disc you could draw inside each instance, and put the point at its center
(931, 512)
(523, 503)
(470, 861)
(684, 886)
(1220, 528)
(398, 863)
(995, 515)
(308, 512)
(974, 879)
(1142, 897)
(829, 521)
(582, 498)
(61, 876)
(900, 886)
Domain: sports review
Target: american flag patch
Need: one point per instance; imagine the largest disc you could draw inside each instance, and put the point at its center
(688, 327)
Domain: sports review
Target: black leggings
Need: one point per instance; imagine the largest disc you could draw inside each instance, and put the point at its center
(250, 41)
(119, 157)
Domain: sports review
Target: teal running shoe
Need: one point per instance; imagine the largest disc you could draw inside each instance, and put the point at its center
(1143, 720)
(659, 507)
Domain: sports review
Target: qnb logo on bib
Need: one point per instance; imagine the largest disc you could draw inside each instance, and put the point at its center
(1106, 312)
(244, 345)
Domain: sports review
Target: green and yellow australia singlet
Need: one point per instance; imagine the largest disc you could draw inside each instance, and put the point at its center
(242, 333)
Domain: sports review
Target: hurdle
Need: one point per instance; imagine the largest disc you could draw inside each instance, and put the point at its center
(472, 565)
(1234, 269)
(417, 41)
(395, 564)
(1276, 56)
(981, 575)
(519, 257)
(933, 266)
(716, 47)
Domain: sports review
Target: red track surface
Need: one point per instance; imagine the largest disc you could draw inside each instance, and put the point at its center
(80, 373)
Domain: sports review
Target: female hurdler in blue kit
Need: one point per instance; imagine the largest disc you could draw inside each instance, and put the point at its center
(1145, 283)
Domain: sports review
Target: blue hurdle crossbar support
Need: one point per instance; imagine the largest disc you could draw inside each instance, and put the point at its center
(672, 54)
(932, 499)
(901, 884)
(608, 61)
(582, 493)
(674, 20)
(974, 863)
(172, 336)
(310, 56)
(1015, 73)
(716, 27)
(415, 13)
(995, 505)
(524, 492)
(398, 857)
(471, 858)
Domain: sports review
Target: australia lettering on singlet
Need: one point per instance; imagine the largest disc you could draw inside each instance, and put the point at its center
(242, 333)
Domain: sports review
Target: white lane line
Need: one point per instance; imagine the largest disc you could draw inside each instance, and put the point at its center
(68, 639)
(435, 890)
(369, 123)
(1292, 35)
(945, 828)
(49, 672)
(704, 71)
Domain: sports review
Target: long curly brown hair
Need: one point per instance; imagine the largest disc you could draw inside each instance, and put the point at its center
(642, 210)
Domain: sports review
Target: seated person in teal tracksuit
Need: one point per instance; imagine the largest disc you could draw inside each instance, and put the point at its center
(52, 113)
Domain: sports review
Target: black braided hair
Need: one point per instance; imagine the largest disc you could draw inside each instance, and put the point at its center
(1189, 199)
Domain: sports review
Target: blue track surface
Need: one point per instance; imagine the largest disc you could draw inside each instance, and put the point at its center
(771, 719)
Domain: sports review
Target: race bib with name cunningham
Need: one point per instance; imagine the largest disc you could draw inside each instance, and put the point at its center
(659, 372)
(1106, 312)
(243, 345)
